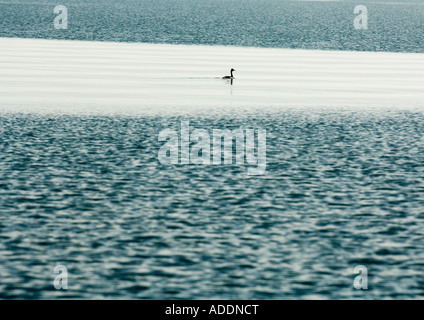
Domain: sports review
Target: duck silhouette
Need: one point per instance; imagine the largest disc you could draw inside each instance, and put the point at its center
(231, 76)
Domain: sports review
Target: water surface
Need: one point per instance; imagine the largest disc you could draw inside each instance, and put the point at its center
(393, 25)
(342, 188)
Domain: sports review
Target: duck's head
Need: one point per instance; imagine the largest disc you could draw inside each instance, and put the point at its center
(232, 70)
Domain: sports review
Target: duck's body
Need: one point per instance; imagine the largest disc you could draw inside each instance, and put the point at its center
(231, 76)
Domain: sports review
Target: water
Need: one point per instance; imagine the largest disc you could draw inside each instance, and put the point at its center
(342, 188)
(81, 184)
(72, 76)
(393, 25)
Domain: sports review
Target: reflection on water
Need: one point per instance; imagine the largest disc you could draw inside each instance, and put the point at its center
(45, 73)
(342, 188)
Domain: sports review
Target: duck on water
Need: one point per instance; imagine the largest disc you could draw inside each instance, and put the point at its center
(231, 76)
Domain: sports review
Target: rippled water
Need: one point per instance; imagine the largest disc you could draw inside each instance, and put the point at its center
(393, 25)
(342, 188)
(81, 184)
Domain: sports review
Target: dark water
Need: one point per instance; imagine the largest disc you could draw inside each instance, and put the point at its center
(393, 25)
(342, 188)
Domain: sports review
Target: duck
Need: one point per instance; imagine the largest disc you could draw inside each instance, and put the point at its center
(231, 76)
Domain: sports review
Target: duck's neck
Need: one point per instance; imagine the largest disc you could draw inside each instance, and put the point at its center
(231, 73)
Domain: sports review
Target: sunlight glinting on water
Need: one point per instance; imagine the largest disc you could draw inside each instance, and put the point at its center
(150, 76)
